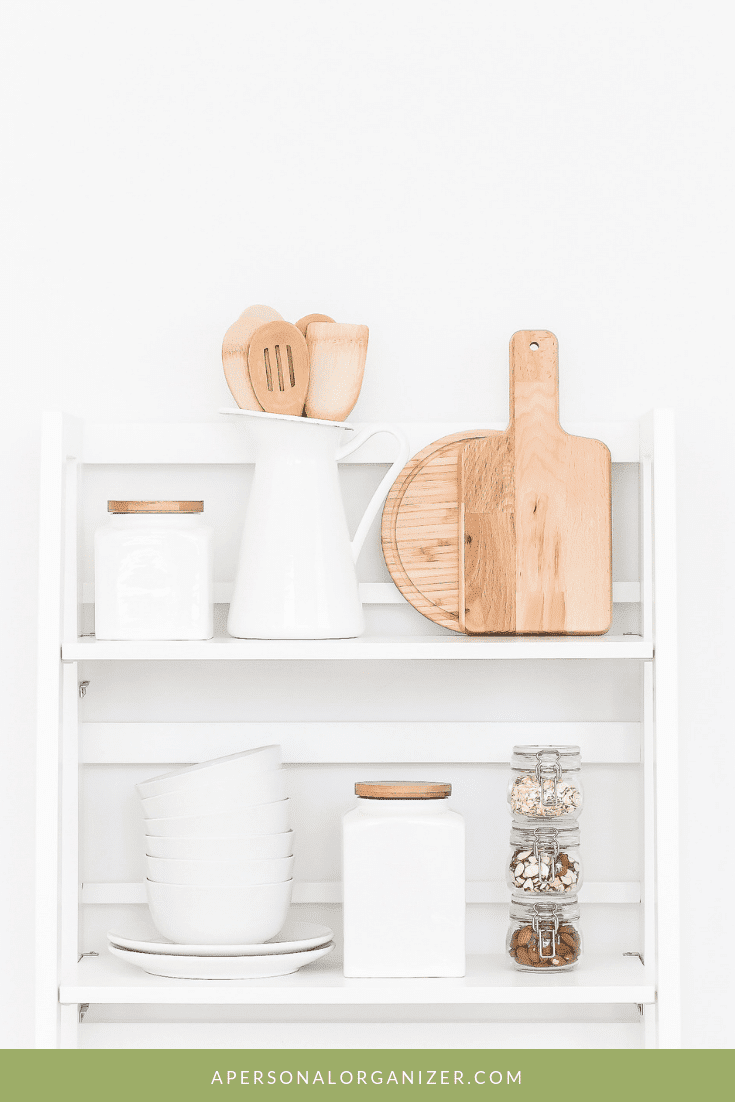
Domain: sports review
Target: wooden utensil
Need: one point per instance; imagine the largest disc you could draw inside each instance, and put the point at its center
(304, 322)
(265, 313)
(508, 532)
(278, 363)
(235, 353)
(337, 355)
(535, 527)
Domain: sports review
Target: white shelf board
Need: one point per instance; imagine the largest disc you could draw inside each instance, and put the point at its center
(489, 979)
(390, 648)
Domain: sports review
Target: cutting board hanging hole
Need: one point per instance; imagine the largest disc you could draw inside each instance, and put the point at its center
(534, 346)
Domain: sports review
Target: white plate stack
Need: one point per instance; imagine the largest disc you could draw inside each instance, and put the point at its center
(219, 849)
(299, 943)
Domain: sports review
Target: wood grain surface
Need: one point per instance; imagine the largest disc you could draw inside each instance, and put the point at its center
(337, 353)
(420, 529)
(235, 347)
(278, 365)
(508, 532)
(304, 323)
(403, 790)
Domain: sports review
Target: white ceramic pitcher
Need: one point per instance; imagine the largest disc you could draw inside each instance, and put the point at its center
(296, 574)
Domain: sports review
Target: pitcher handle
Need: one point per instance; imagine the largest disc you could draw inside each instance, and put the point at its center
(386, 482)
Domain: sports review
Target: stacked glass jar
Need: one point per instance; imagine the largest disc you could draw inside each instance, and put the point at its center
(544, 867)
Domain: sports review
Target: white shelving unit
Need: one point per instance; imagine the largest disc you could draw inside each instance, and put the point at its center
(618, 996)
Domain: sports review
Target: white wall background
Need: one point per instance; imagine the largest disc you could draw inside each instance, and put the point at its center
(444, 172)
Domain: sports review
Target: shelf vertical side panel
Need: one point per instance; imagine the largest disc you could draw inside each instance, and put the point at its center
(69, 820)
(71, 589)
(666, 729)
(648, 880)
(59, 436)
(645, 568)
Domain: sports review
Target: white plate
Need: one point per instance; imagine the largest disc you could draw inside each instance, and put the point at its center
(220, 968)
(293, 938)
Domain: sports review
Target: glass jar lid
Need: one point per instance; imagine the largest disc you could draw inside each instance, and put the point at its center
(544, 910)
(155, 506)
(547, 758)
(563, 835)
(403, 790)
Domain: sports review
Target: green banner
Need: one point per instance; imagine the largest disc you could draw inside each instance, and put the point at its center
(544, 1075)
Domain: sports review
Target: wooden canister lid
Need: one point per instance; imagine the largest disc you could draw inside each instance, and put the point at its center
(403, 790)
(155, 506)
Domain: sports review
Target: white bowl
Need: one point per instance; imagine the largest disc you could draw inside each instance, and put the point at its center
(263, 788)
(273, 818)
(224, 914)
(233, 767)
(272, 870)
(248, 848)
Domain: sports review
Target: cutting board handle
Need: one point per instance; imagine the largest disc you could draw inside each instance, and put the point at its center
(534, 376)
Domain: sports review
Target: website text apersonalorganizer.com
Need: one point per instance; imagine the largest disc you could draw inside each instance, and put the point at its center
(425, 1077)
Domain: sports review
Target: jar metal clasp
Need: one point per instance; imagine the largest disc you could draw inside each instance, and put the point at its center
(546, 928)
(548, 770)
(545, 841)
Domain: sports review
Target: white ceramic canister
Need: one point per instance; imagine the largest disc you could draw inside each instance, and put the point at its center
(153, 575)
(403, 882)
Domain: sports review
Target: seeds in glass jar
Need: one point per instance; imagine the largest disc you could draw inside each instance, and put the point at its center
(525, 797)
(560, 875)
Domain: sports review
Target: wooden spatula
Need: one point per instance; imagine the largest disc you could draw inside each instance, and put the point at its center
(535, 533)
(278, 362)
(235, 353)
(305, 322)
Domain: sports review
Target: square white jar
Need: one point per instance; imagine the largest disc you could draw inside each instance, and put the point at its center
(403, 883)
(153, 572)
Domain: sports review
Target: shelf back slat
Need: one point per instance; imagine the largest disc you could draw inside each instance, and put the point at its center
(222, 442)
(352, 742)
(330, 891)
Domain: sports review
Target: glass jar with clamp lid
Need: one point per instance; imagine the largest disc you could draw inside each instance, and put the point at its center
(544, 860)
(545, 783)
(544, 934)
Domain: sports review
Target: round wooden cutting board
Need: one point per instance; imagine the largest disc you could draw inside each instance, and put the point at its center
(420, 530)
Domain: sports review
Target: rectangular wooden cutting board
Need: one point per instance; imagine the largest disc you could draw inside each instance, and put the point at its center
(535, 531)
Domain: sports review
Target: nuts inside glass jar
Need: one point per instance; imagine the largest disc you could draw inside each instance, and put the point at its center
(545, 799)
(545, 873)
(543, 950)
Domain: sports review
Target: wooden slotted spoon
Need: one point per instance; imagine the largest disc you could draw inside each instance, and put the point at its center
(278, 363)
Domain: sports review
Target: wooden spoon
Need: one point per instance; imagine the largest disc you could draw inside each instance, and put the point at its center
(235, 353)
(278, 362)
(302, 323)
(265, 313)
(336, 361)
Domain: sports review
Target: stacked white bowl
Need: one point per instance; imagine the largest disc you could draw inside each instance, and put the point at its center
(219, 849)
